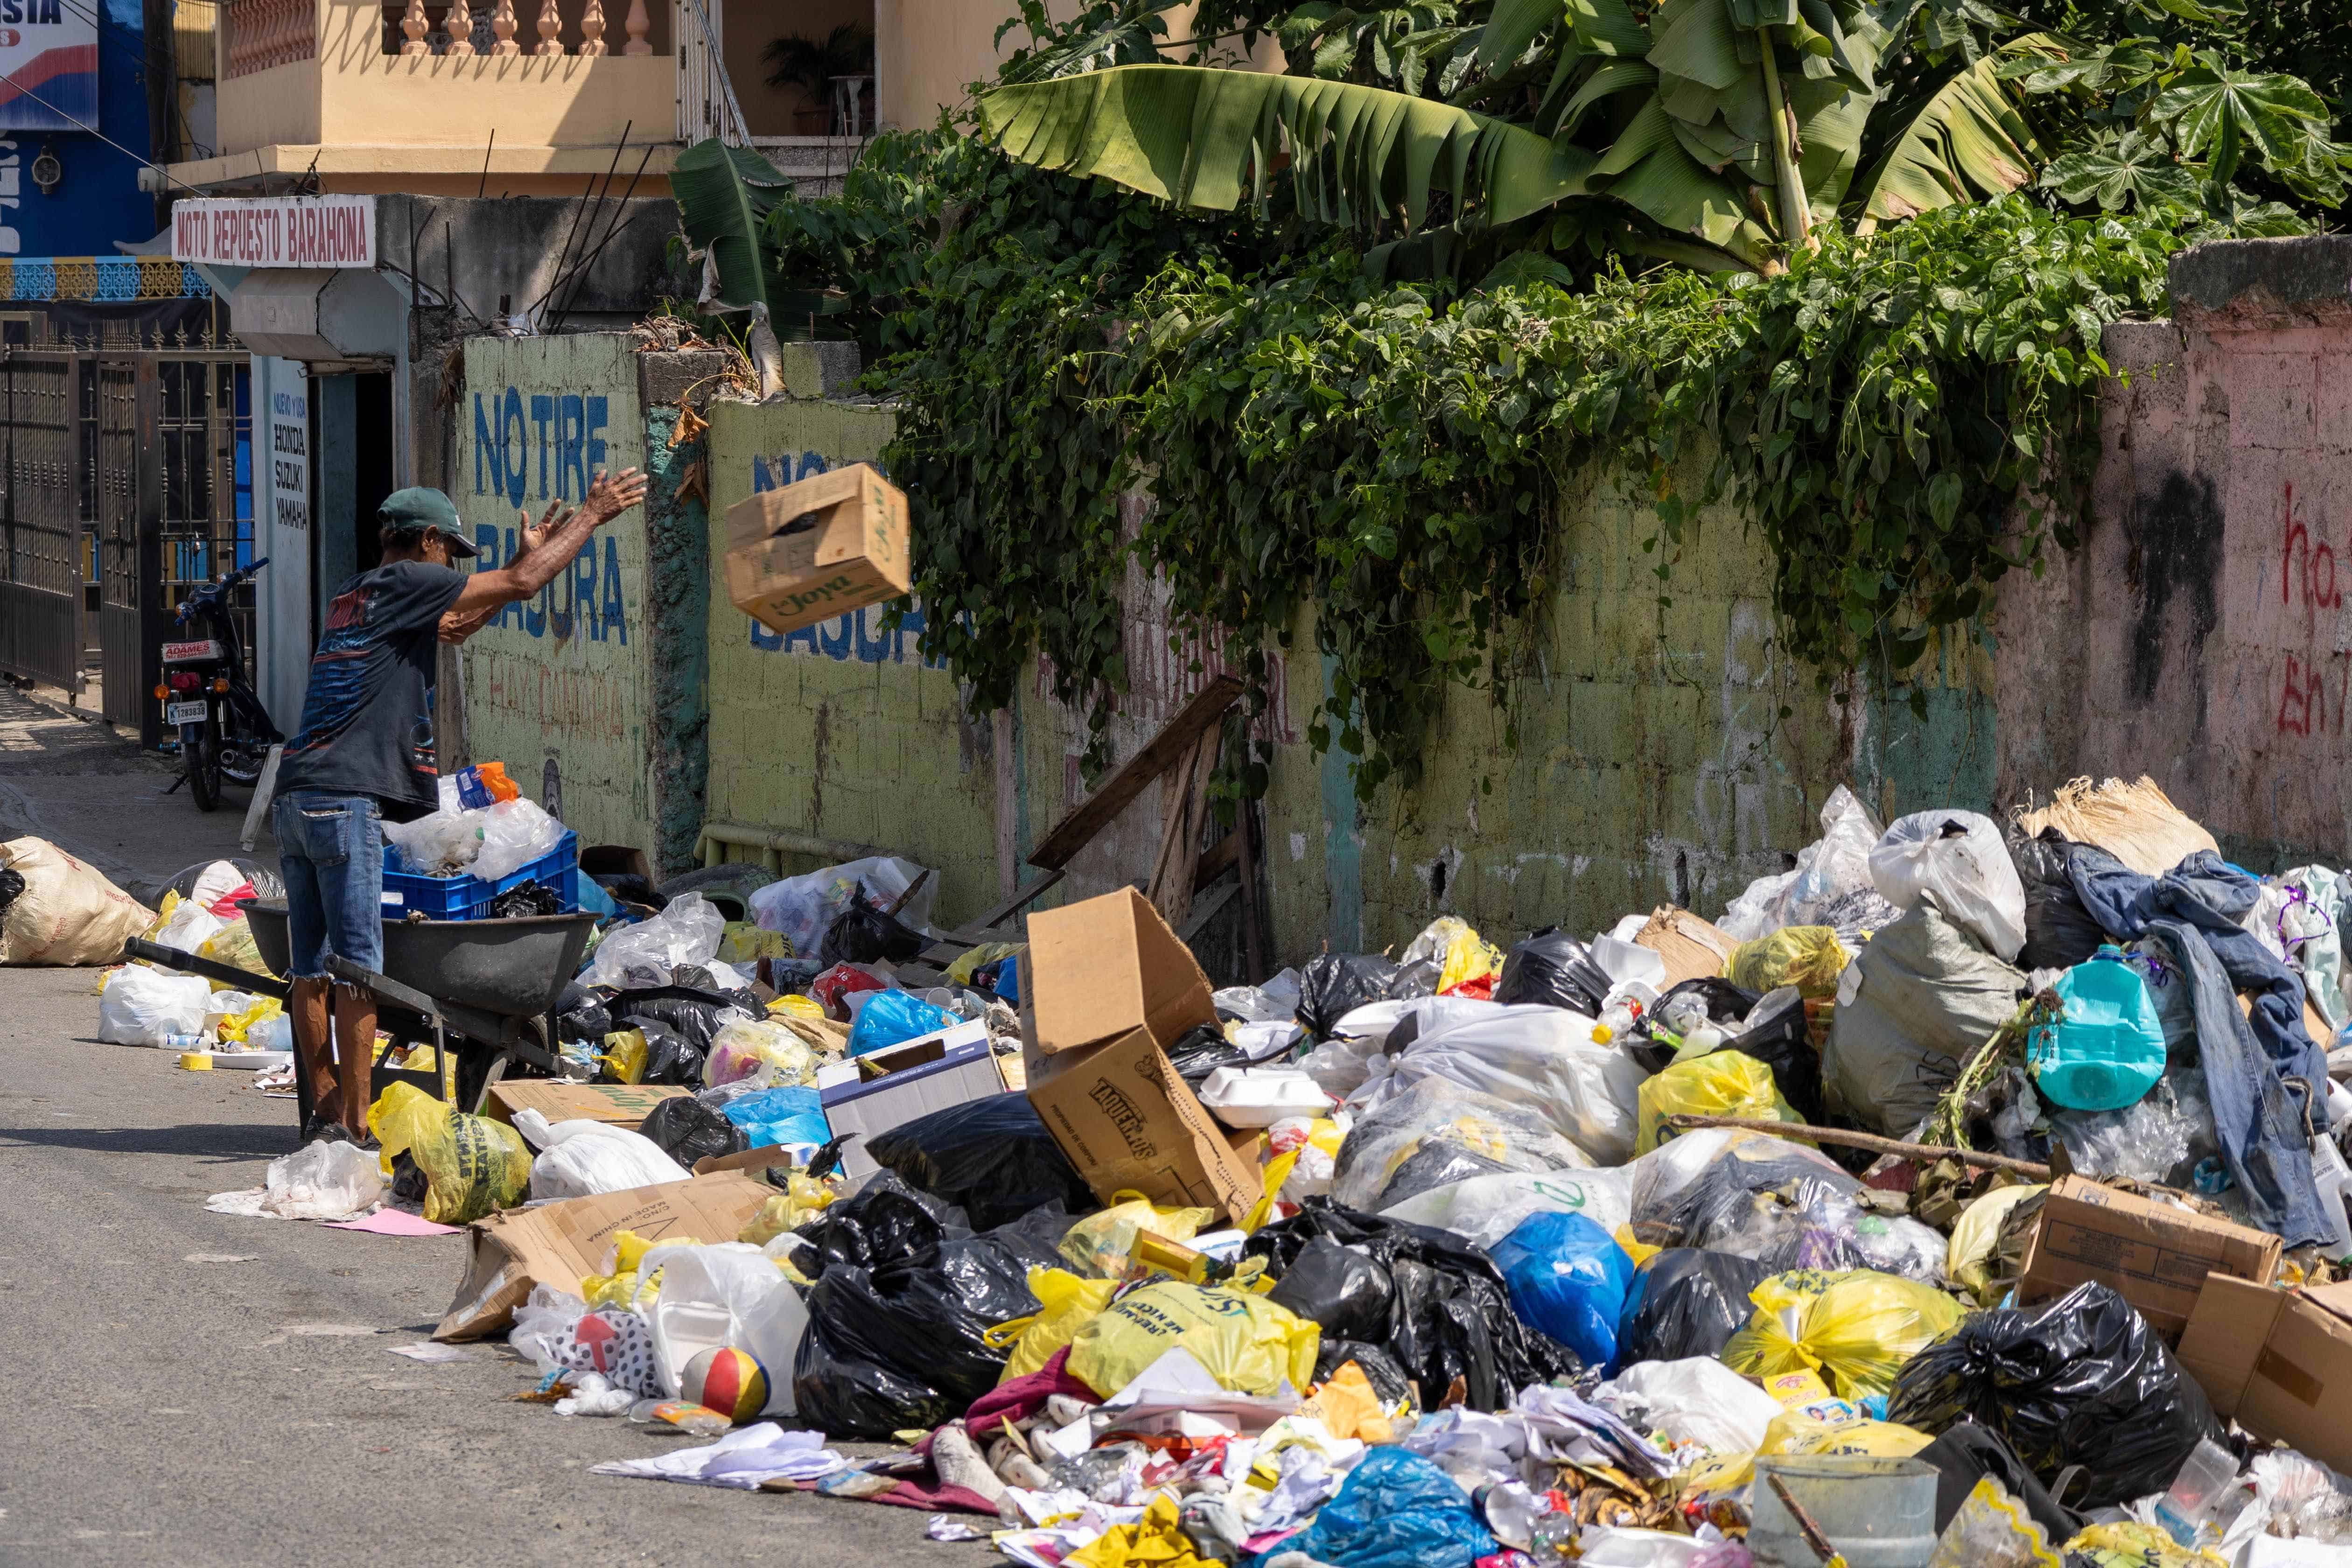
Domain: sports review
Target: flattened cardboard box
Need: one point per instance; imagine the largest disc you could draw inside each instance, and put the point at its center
(509, 1253)
(834, 542)
(621, 1104)
(2279, 1363)
(1692, 948)
(2154, 1256)
(1103, 966)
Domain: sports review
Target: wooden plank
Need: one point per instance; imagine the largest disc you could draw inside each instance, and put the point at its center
(1080, 827)
(1218, 860)
(1170, 890)
(1205, 908)
(951, 947)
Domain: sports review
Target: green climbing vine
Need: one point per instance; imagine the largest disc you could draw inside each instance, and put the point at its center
(1903, 418)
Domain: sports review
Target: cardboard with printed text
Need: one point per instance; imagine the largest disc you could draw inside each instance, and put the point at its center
(836, 542)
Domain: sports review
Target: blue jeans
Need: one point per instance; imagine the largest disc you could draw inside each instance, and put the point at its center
(330, 851)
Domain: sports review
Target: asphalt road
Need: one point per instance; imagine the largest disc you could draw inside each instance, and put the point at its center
(195, 1388)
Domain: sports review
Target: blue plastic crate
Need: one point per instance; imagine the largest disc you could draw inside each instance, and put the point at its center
(468, 897)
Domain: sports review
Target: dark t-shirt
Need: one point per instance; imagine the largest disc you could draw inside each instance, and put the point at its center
(367, 720)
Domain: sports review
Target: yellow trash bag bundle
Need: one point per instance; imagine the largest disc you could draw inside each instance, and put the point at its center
(1974, 1235)
(1810, 958)
(795, 1006)
(1721, 1083)
(740, 942)
(1461, 954)
(1100, 1246)
(1829, 1427)
(1856, 1328)
(1068, 1303)
(2130, 1544)
(1245, 1342)
(472, 1165)
(802, 1199)
(233, 1028)
(623, 1057)
(232, 944)
(976, 959)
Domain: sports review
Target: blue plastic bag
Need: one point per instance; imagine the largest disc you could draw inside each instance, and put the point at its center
(787, 1115)
(1569, 1279)
(891, 1016)
(1395, 1510)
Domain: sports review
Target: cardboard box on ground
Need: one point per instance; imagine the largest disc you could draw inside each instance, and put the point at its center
(621, 1104)
(834, 542)
(2279, 1363)
(2154, 1256)
(508, 1253)
(1107, 987)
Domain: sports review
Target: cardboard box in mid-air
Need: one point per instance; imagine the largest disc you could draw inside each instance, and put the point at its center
(834, 542)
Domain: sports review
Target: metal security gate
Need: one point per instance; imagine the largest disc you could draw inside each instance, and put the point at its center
(40, 586)
(130, 620)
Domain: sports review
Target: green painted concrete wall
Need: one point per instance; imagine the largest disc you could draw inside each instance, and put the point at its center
(564, 676)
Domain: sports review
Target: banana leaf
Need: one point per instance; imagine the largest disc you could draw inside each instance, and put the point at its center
(724, 195)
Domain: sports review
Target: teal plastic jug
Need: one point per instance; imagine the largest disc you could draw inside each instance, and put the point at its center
(2108, 1050)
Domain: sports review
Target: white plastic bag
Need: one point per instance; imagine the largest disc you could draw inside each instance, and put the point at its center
(801, 907)
(440, 845)
(514, 833)
(191, 926)
(1956, 856)
(146, 1006)
(580, 1158)
(325, 1180)
(685, 932)
(1406, 1145)
(728, 1294)
(1828, 872)
(1485, 1209)
(1697, 1401)
(67, 914)
(1543, 1059)
(540, 1323)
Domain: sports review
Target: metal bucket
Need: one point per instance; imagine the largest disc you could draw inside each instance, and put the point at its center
(1878, 1513)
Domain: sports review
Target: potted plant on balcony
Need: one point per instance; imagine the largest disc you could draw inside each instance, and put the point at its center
(811, 64)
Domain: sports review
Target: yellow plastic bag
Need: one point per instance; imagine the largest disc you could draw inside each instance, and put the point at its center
(795, 1006)
(1069, 1304)
(232, 944)
(1722, 1083)
(742, 942)
(1245, 1342)
(1810, 958)
(472, 1165)
(1462, 955)
(974, 959)
(1974, 1235)
(1857, 1328)
(624, 1057)
(233, 1027)
(1836, 1427)
(1155, 1541)
(2130, 1545)
(802, 1199)
(1098, 1245)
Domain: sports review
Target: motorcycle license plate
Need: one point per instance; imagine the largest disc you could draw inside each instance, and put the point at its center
(188, 713)
(190, 652)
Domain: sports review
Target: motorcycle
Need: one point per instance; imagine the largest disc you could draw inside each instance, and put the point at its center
(224, 731)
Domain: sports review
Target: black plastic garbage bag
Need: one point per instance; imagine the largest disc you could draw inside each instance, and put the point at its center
(1775, 1034)
(1726, 1004)
(581, 1013)
(1380, 1368)
(1202, 1050)
(2081, 1381)
(1334, 985)
(1341, 1287)
(903, 1344)
(884, 1221)
(11, 885)
(670, 1057)
(1449, 1314)
(1967, 1453)
(1686, 1302)
(1555, 970)
(993, 1158)
(687, 1131)
(695, 1015)
(864, 933)
(1436, 1163)
(2060, 933)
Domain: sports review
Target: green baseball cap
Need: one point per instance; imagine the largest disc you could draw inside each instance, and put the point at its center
(420, 508)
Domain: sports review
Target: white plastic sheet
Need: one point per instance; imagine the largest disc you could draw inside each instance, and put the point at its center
(801, 907)
(1958, 858)
(688, 931)
(1829, 869)
(1541, 1057)
(1485, 1209)
(1699, 1400)
(514, 833)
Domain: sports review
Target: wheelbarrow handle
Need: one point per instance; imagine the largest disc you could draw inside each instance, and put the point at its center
(210, 969)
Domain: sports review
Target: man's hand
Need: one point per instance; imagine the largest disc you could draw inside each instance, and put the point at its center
(529, 538)
(613, 494)
(457, 628)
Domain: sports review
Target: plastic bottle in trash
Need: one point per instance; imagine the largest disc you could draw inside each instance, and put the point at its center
(2334, 1179)
(1613, 1024)
(2187, 1506)
(184, 1042)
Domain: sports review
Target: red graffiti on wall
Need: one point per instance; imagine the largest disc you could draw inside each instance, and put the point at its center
(2306, 562)
(2303, 707)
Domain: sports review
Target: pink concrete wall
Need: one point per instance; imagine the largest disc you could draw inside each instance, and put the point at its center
(2200, 634)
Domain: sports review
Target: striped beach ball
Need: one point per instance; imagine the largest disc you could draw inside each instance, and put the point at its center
(728, 1381)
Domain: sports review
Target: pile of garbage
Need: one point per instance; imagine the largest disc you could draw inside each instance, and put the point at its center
(1966, 1195)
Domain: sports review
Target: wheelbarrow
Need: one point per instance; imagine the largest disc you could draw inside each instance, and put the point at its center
(481, 992)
